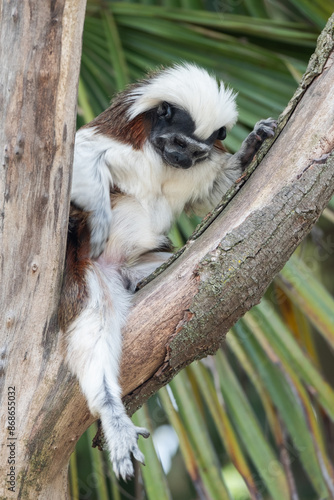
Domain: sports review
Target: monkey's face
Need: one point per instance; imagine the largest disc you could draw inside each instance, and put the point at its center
(172, 135)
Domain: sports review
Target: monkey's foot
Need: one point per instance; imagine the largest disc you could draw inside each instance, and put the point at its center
(123, 445)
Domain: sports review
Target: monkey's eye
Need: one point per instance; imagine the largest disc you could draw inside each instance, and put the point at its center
(221, 133)
(165, 110)
(179, 142)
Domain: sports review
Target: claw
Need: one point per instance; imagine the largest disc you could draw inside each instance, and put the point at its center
(143, 432)
(124, 469)
(137, 454)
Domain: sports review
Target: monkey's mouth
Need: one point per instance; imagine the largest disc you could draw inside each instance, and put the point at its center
(177, 159)
(177, 154)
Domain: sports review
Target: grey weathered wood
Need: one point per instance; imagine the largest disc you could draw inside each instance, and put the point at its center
(40, 50)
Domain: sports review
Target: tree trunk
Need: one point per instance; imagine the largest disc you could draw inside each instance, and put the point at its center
(40, 59)
(181, 315)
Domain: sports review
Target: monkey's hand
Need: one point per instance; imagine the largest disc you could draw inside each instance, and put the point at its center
(262, 131)
(99, 224)
(122, 436)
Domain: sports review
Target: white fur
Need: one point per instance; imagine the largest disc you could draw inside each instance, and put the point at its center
(157, 193)
(153, 195)
(93, 353)
(94, 338)
(191, 88)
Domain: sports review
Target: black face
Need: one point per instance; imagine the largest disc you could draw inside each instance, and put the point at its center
(172, 135)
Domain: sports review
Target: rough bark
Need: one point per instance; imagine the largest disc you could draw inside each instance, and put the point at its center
(184, 313)
(40, 52)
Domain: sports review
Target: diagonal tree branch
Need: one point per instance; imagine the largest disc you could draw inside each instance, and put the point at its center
(229, 262)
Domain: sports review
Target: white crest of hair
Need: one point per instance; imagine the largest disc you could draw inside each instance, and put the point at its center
(210, 104)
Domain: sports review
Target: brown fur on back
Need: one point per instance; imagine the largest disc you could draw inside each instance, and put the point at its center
(74, 289)
(114, 121)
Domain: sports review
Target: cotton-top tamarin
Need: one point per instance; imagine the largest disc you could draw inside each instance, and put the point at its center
(155, 151)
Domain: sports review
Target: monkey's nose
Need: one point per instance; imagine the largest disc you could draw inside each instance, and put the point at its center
(179, 159)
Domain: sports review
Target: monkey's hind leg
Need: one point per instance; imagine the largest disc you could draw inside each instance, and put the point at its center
(93, 353)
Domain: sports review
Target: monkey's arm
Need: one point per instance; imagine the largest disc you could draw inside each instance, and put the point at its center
(91, 185)
(232, 166)
(262, 131)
